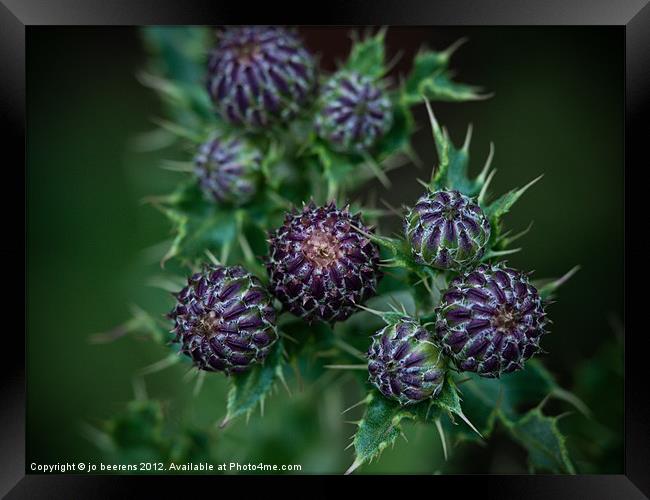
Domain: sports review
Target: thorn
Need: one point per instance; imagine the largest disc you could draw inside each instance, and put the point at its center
(199, 383)
(212, 258)
(166, 362)
(468, 139)
(363, 401)
(355, 465)
(466, 420)
(139, 389)
(350, 349)
(224, 422)
(449, 51)
(441, 433)
(284, 382)
(349, 446)
(483, 193)
(561, 281)
(435, 126)
(346, 367)
(488, 162)
(371, 311)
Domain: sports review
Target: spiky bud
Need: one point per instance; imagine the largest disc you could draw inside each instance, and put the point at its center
(224, 319)
(320, 265)
(228, 169)
(404, 364)
(490, 320)
(354, 112)
(258, 75)
(447, 230)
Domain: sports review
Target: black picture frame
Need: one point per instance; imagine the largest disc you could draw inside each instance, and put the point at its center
(17, 16)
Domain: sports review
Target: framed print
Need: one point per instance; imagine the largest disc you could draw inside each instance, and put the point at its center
(345, 244)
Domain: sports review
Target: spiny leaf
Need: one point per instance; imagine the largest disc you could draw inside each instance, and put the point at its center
(199, 224)
(441, 87)
(177, 63)
(540, 436)
(452, 170)
(250, 388)
(379, 427)
(431, 79)
(367, 56)
(504, 203)
(449, 401)
(486, 400)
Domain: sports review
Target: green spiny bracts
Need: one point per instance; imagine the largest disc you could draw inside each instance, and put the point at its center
(228, 169)
(260, 75)
(354, 112)
(447, 230)
(404, 364)
(491, 320)
(224, 319)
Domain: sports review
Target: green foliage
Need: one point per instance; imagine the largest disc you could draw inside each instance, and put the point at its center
(367, 56)
(298, 166)
(540, 435)
(250, 388)
(430, 78)
(381, 423)
(139, 435)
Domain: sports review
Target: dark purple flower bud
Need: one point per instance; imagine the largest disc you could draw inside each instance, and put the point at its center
(258, 75)
(490, 320)
(404, 364)
(320, 266)
(354, 113)
(228, 170)
(447, 230)
(225, 320)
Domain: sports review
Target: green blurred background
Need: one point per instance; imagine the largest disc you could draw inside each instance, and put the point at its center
(557, 109)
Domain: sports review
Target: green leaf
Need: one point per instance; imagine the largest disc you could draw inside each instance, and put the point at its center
(379, 427)
(441, 87)
(337, 168)
(431, 79)
(367, 56)
(502, 205)
(199, 224)
(177, 65)
(178, 52)
(449, 401)
(540, 436)
(486, 400)
(453, 162)
(250, 388)
(140, 424)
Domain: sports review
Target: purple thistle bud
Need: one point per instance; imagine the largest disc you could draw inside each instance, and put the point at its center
(320, 266)
(224, 319)
(258, 75)
(447, 230)
(354, 113)
(490, 320)
(228, 169)
(404, 364)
